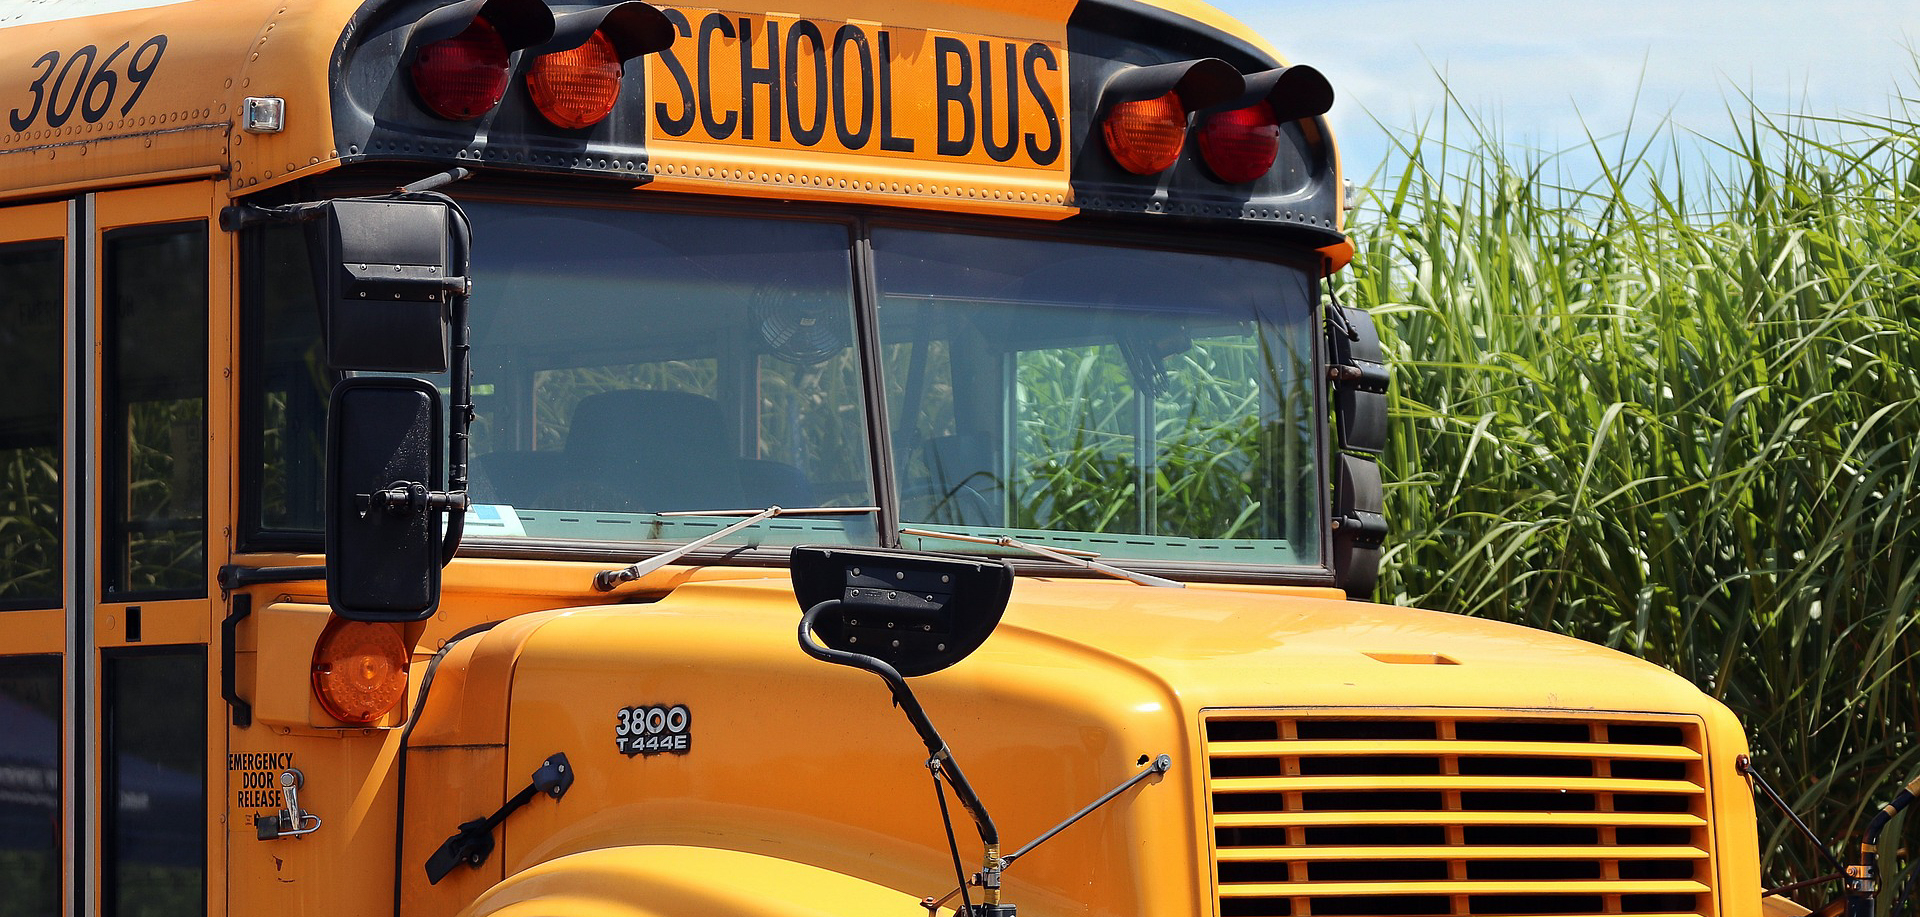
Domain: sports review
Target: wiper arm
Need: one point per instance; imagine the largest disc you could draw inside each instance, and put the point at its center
(1077, 558)
(606, 580)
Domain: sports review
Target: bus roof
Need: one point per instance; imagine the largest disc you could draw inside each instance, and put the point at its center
(972, 105)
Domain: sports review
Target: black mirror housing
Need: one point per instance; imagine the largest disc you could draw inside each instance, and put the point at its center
(384, 469)
(387, 282)
(918, 612)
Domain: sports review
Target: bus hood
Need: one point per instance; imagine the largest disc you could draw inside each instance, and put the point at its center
(1228, 647)
(689, 717)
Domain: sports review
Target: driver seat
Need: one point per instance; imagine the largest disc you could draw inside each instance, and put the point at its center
(642, 450)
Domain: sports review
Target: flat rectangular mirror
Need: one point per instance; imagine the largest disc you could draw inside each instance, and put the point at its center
(384, 468)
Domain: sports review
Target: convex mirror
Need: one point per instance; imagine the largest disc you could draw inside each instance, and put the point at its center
(917, 611)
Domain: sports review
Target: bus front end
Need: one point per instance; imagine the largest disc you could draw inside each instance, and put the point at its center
(1321, 757)
(606, 373)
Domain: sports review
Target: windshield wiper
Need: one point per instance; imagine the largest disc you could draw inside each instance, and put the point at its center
(606, 580)
(1077, 558)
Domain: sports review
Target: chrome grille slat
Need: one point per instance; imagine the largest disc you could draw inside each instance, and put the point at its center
(1449, 887)
(1516, 749)
(1643, 820)
(1331, 813)
(1443, 782)
(1255, 854)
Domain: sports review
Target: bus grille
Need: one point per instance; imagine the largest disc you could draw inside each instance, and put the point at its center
(1319, 814)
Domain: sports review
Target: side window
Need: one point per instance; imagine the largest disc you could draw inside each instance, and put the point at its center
(30, 348)
(286, 386)
(154, 448)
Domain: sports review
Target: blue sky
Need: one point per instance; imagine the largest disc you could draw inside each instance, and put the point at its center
(1547, 72)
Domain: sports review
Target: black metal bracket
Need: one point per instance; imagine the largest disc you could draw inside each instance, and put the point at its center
(1743, 765)
(229, 628)
(474, 841)
(1159, 765)
(1358, 377)
(233, 576)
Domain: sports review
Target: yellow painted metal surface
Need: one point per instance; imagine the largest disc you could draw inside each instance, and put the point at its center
(1208, 15)
(346, 866)
(792, 761)
(671, 881)
(138, 92)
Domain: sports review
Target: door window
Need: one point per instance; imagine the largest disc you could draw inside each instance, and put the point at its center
(30, 785)
(155, 405)
(30, 335)
(154, 795)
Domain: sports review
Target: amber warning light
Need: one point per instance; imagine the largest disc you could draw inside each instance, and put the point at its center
(575, 81)
(577, 88)
(1146, 110)
(359, 670)
(1146, 136)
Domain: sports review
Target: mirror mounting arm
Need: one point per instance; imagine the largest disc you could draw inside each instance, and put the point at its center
(405, 498)
(460, 436)
(910, 706)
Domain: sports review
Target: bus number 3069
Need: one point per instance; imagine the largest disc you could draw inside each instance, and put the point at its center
(650, 730)
(67, 82)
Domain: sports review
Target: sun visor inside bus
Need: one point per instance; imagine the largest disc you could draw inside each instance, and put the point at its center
(387, 276)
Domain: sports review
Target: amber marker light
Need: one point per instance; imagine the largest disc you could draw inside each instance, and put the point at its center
(577, 88)
(1145, 136)
(359, 670)
(463, 77)
(1242, 144)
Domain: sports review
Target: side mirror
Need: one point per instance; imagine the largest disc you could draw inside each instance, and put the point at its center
(387, 282)
(915, 611)
(384, 499)
(903, 613)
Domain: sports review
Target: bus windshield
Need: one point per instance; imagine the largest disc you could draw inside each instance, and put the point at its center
(1133, 403)
(652, 376)
(639, 374)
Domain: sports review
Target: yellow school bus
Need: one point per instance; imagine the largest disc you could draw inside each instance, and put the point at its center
(872, 457)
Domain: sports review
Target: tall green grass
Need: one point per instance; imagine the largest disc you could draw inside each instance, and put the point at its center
(1673, 411)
